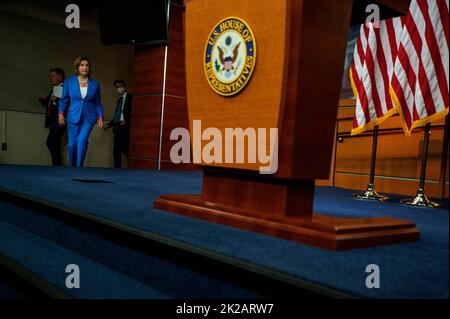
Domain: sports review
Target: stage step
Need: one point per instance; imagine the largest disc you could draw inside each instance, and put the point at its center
(46, 263)
(44, 246)
(157, 269)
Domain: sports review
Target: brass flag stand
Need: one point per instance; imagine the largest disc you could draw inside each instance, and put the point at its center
(421, 199)
(371, 193)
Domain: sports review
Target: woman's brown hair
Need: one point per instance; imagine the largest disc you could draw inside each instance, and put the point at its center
(77, 62)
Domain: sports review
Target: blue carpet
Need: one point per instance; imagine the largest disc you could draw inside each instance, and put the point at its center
(45, 246)
(49, 260)
(410, 270)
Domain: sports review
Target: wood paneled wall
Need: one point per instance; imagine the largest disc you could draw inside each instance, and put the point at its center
(147, 108)
(398, 158)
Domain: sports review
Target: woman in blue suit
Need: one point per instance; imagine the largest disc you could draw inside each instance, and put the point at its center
(81, 95)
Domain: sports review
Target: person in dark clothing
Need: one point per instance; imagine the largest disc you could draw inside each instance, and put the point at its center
(50, 102)
(121, 123)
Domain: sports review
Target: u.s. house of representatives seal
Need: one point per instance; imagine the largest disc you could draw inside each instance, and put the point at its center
(230, 56)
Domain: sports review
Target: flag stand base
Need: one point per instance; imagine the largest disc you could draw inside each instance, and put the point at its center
(420, 200)
(371, 194)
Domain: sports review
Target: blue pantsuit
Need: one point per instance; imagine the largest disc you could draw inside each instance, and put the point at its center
(82, 114)
(78, 142)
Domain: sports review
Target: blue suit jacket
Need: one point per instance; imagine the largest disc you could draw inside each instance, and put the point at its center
(71, 97)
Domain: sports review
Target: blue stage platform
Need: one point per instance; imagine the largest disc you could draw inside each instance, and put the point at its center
(124, 198)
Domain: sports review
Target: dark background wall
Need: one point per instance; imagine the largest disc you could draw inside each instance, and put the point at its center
(152, 84)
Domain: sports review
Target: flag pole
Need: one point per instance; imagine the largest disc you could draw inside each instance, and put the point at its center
(421, 199)
(371, 193)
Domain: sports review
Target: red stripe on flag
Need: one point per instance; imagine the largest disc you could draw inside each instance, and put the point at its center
(424, 85)
(360, 50)
(361, 95)
(415, 114)
(384, 70)
(364, 98)
(371, 70)
(435, 55)
(396, 86)
(392, 40)
(443, 12)
(355, 122)
(410, 76)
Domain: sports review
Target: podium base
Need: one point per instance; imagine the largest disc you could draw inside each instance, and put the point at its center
(331, 233)
(420, 200)
(371, 194)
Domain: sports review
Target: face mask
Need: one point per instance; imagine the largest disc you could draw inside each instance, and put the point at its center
(121, 90)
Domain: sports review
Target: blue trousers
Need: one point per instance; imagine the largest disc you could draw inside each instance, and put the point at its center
(78, 135)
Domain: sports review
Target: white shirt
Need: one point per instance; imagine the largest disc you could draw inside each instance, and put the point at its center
(83, 91)
(124, 96)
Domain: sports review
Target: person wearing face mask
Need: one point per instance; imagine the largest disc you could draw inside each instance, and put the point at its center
(82, 101)
(121, 122)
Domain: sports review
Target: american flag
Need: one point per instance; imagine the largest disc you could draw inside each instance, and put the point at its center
(371, 72)
(420, 83)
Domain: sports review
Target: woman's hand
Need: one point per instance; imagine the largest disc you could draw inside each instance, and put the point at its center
(100, 123)
(61, 120)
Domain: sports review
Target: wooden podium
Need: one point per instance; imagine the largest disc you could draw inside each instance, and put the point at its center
(294, 87)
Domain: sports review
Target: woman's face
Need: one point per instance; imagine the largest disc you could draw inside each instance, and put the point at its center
(83, 69)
